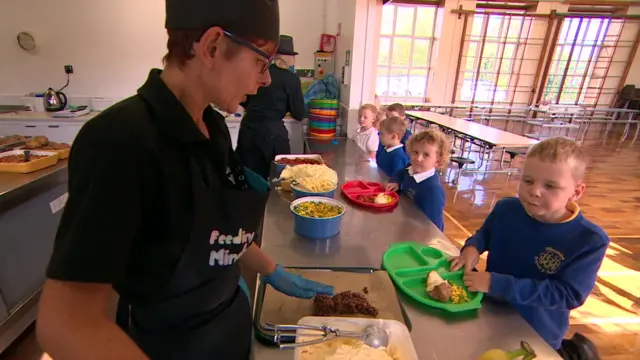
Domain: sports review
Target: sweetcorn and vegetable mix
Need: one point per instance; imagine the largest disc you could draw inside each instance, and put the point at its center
(318, 209)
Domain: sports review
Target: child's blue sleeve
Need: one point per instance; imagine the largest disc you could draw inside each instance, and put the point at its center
(399, 162)
(480, 240)
(431, 203)
(398, 177)
(567, 289)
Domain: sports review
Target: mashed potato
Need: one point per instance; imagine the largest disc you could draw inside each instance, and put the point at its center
(319, 172)
(345, 349)
(316, 185)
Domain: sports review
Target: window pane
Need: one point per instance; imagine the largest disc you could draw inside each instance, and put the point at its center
(383, 51)
(471, 56)
(386, 27)
(514, 29)
(476, 29)
(404, 20)
(417, 83)
(420, 53)
(382, 80)
(424, 21)
(401, 50)
(398, 83)
(494, 26)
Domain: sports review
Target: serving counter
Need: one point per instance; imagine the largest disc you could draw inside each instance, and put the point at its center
(363, 239)
(30, 210)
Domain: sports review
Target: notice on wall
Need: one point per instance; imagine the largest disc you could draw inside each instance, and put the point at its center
(59, 203)
(347, 58)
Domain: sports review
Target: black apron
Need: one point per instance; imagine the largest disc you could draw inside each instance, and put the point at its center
(258, 150)
(206, 314)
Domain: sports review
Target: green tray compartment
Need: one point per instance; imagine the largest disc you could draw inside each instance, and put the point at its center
(409, 264)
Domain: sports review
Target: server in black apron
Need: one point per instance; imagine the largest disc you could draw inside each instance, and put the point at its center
(262, 133)
(161, 209)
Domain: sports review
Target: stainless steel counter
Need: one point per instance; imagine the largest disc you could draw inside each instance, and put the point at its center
(30, 210)
(364, 237)
(10, 182)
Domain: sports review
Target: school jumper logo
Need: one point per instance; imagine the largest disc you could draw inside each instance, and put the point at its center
(549, 260)
(225, 257)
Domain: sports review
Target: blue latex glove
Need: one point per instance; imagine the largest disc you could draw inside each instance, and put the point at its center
(295, 285)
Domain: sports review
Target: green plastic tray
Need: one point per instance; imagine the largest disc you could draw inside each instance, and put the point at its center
(408, 264)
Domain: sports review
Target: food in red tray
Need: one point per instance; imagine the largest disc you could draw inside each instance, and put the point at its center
(298, 161)
(379, 199)
(370, 199)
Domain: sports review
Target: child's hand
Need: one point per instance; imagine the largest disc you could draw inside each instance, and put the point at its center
(477, 281)
(392, 187)
(467, 259)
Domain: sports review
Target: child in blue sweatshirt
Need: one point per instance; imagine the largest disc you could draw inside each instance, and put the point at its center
(391, 156)
(420, 182)
(398, 109)
(543, 254)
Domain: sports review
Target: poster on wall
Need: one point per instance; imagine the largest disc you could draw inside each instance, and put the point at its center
(347, 58)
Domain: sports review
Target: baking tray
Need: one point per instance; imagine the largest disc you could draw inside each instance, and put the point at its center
(31, 166)
(270, 303)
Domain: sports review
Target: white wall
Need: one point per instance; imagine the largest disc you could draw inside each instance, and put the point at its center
(113, 44)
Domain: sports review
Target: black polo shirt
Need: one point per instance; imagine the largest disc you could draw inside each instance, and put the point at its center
(130, 207)
(265, 110)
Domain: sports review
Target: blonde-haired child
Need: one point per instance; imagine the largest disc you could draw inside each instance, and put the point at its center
(367, 134)
(428, 150)
(543, 254)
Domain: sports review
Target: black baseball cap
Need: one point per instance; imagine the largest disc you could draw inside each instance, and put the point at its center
(248, 19)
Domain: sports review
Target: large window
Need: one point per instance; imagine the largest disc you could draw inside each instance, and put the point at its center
(499, 57)
(406, 41)
(588, 60)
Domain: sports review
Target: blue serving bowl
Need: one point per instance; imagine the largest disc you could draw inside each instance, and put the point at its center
(299, 193)
(316, 228)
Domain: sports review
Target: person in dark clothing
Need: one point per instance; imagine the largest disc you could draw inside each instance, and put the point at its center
(262, 133)
(160, 208)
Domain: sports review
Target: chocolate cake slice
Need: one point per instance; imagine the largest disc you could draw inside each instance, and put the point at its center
(344, 303)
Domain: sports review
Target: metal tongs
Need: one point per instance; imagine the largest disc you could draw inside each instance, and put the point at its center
(372, 335)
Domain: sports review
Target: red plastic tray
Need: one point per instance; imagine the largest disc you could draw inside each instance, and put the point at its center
(351, 189)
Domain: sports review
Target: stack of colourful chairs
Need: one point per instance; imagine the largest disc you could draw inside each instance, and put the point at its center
(323, 114)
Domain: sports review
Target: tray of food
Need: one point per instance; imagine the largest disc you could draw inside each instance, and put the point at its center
(400, 346)
(310, 159)
(370, 194)
(10, 142)
(424, 274)
(43, 143)
(362, 293)
(26, 161)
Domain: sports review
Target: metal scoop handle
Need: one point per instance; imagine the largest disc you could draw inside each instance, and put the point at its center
(327, 332)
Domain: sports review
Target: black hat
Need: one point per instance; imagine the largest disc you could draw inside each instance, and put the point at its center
(248, 19)
(286, 46)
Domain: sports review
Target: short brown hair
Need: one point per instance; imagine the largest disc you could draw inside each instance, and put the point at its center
(398, 108)
(433, 137)
(560, 150)
(180, 46)
(394, 125)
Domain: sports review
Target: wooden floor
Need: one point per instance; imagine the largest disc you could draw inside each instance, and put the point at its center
(612, 200)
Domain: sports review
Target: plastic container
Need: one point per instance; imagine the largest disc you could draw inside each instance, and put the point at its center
(355, 188)
(50, 159)
(316, 228)
(400, 344)
(280, 167)
(409, 264)
(299, 193)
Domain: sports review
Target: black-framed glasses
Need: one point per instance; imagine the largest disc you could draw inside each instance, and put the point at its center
(240, 41)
